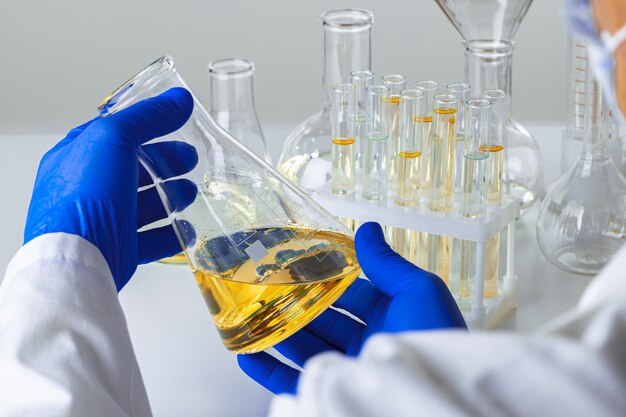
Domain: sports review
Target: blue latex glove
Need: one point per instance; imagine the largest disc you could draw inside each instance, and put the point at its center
(87, 184)
(400, 297)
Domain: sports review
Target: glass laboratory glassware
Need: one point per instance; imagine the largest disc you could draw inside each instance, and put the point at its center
(442, 151)
(232, 106)
(462, 92)
(582, 221)
(430, 89)
(475, 176)
(361, 80)
(343, 139)
(572, 143)
(410, 146)
(495, 172)
(475, 159)
(425, 124)
(442, 145)
(305, 157)
(267, 259)
(396, 84)
(488, 28)
(375, 144)
(232, 102)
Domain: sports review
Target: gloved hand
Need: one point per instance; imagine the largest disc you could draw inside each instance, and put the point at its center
(87, 184)
(400, 297)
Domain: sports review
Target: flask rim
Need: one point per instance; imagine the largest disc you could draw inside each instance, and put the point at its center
(147, 77)
(231, 67)
(347, 18)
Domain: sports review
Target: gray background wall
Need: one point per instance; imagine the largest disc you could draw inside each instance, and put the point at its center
(59, 58)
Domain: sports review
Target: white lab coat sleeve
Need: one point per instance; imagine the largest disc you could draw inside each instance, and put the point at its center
(575, 366)
(64, 344)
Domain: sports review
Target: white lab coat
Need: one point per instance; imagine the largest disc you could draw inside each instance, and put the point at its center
(65, 350)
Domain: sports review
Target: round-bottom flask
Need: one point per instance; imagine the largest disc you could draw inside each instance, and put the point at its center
(306, 155)
(523, 171)
(582, 221)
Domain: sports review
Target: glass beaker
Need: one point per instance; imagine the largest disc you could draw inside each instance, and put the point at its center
(582, 221)
(306, 153)
(488, 28)
(267, 259)
(232, 102)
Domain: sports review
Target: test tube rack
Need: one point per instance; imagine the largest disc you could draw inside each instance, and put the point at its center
(484, 313)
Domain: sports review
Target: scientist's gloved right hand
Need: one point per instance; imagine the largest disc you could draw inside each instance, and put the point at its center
(400, 297)
(87, 184)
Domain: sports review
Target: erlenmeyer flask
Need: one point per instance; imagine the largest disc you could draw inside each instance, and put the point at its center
(232, 102)
(266, 257)
(488, 28)
(582, 221)
(305, 157)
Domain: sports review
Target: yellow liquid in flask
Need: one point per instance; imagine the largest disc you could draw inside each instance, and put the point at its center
(258, 304)
(178, 259)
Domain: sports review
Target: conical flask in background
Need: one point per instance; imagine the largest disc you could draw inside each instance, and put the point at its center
(232, 102)
(306, 153)
(488, 28)
(267, 258)
(582, 221)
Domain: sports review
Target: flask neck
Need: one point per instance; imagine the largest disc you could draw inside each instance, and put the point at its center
(347, 48)
(596, 123)
(488, 66)
(232, 92)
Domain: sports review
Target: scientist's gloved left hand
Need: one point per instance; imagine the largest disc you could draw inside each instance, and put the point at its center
(87, 184)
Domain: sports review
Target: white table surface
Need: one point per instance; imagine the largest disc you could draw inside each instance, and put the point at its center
(186, 370)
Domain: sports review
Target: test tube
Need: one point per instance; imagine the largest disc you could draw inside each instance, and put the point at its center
(376, 136)
(396, 84)
(462, 92)
(442, 145)
(409, 148)
(361, 80)
(442, 148)
(475, 159)
(474, 179)
(430, 89)
(424, 126)
(343, 138)
(499, 100)
(405, 241)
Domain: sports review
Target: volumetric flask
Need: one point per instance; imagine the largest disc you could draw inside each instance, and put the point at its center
(267, 258)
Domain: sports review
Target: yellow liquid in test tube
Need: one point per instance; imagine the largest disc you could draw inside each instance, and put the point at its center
(442, 149)
(492, 247)
(394, 138)
(256, 305)
(425, 125)
(408, 179)
(343, 165)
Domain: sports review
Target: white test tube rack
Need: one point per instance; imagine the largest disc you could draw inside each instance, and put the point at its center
(483, 313)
